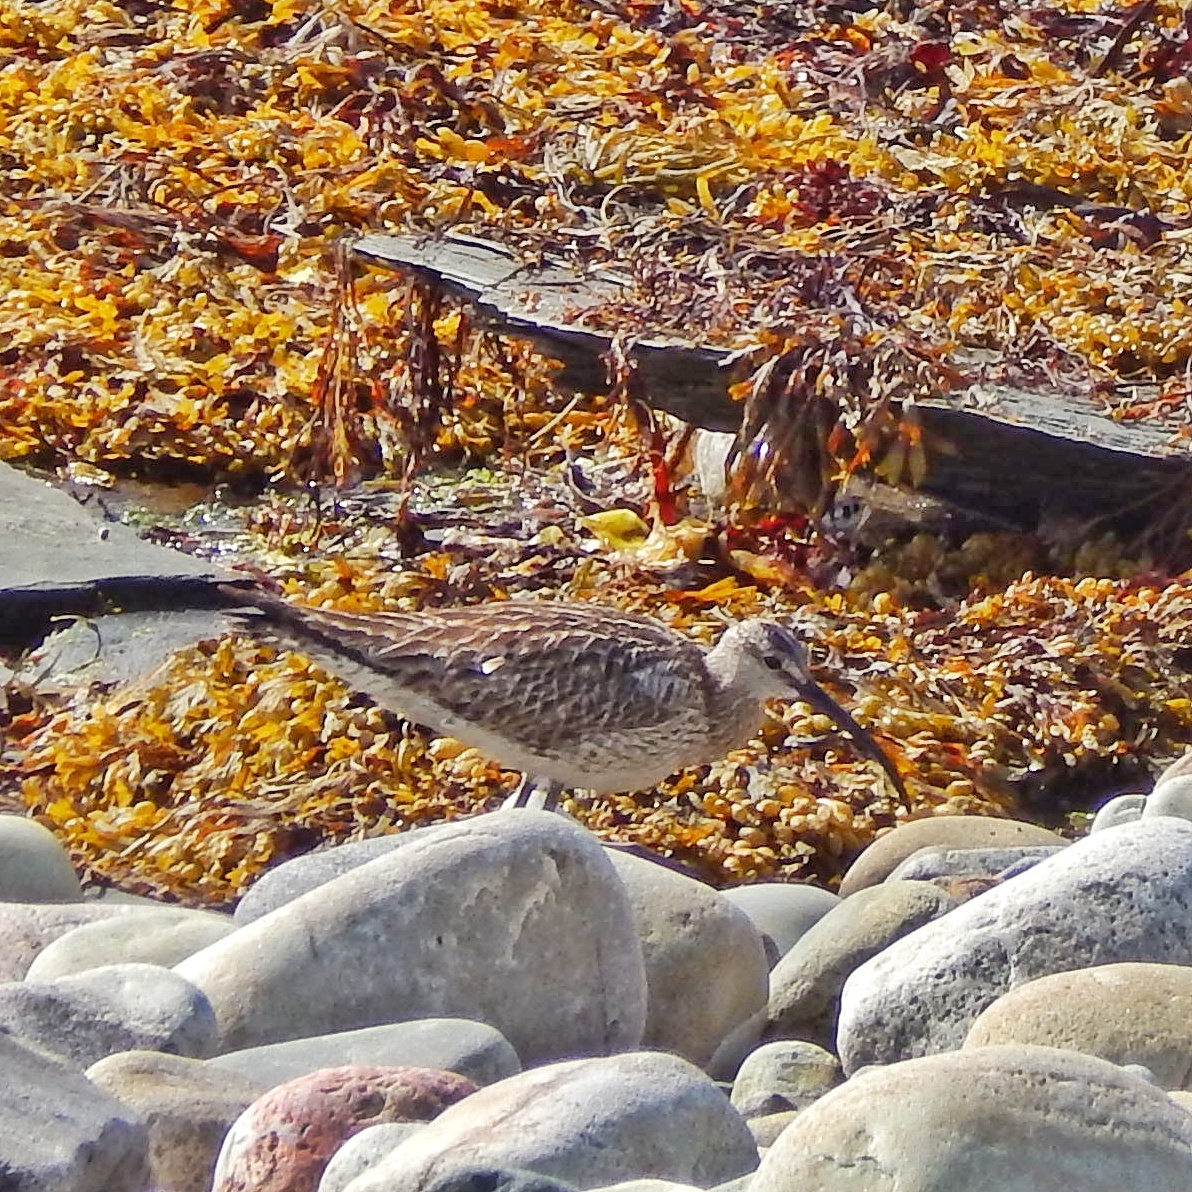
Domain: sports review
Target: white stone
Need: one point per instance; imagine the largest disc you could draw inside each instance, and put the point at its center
(161, 935)
(120, 1007)
(364, 1151)
(517, 919)
(471, 1049)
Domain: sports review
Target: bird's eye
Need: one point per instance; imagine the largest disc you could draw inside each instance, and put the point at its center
(772, 662)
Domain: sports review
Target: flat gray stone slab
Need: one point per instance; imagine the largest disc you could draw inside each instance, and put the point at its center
(117, 648)
(51, 543)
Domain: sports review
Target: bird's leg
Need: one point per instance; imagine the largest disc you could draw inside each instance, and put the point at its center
(534, 794)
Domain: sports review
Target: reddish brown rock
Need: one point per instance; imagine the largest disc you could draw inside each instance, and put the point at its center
(284, 1140)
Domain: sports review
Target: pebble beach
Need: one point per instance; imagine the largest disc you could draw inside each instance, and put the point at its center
(505, 1003)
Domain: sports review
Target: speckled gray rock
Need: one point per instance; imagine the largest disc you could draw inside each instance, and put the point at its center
(517, 919)
(187, 1107)
(706, 967)
(783, 911)
(299, 875)
(34, 867)
(805, 985)
(1171, 796)
(28, 927)
(61, 1133)
(884, 855)
(589, 1122)
(120, 1007)
(161, 935)
(783, 1075)
(1122, 809)
(997, 1119)
(937, 864)
(472, 1049)
(363, 1151)
(1121, 895)
(1124, 1013)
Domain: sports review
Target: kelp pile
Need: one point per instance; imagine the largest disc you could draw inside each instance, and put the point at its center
(1029, 698)
(944, 190)
(872, 204)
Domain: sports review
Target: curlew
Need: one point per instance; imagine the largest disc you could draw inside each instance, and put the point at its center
(570, 694)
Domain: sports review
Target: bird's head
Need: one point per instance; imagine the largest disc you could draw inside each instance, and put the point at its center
(770, 661)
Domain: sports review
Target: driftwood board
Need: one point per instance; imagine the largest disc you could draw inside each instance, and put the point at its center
(1008, 451)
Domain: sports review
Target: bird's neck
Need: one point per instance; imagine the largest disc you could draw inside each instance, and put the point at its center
(734, 707)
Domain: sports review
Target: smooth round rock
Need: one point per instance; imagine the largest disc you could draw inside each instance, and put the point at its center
(1122, 809)
(1137, 1014)
(940, 865)
(363, 1151)
(283, 1141)
(299, 875)
(783, 911)
(1180, 768)
(1170, 797)
(1118, 895)
(159, 935)
(949, 831)
(187, 1107)
(34, 867)
(516, 918)
(784, 1075)
(994, 1119)
(462, 1178)
(472, 1049)
(120, 1007)
(26, 928)
(588, 1122)
(61, 1133)
(706, 967)
(765, 1129)
(806, 983)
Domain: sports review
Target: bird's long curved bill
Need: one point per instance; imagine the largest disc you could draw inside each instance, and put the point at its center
(821, 701)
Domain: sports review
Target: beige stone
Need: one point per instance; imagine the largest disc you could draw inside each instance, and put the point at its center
(1125, 1013)
(706, 968)
(989, 1119)
(883, 856)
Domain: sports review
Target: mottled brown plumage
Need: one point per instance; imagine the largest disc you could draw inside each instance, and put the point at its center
(574, 695)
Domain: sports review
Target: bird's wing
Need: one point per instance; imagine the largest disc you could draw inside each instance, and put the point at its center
(541, 674)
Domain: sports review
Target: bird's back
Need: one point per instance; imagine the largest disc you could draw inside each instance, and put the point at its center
(582, 694)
